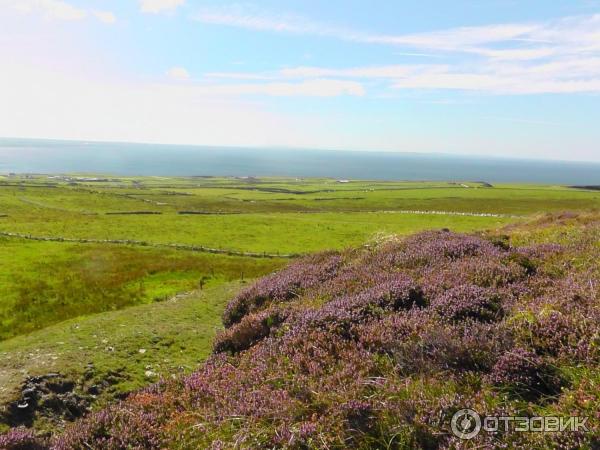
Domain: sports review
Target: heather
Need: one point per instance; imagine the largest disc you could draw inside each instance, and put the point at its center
(377, 347)
(20, 439)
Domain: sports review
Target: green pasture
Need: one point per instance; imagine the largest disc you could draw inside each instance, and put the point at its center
(274, 233)
(273, 195)
(42, 283)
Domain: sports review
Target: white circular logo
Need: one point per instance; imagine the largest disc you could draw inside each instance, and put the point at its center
(466, 424)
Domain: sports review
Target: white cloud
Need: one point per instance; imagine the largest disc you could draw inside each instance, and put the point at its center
(394, 71)
(106, 17)
(567, 75)
(457, 39)
(50, 9)
(178, 74)
(453, 39)
(558, 56)
(239, 76)
(535, 40)
(311, 72)
(56, 10)
(307, 88)
(519, 54)
(236, 16)
(559, 78)
(158, 6)
(267, 85)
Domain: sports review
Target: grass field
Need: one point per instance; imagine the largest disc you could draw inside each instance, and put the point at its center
(267, 215)
(60, 299)
(45, 282)
(130, 348)
(42, 283)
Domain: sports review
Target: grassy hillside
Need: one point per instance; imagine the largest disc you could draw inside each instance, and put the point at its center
(42, 283)
(109, 354)
(378, 347)
(76, 310)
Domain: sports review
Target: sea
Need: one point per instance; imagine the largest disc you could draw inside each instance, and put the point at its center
(37, 156)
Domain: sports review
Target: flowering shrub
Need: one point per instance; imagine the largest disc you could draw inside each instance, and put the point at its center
(21, 439)
(359, 414)
(248, 331)
(282, 286)
(392, 293)
(526, 373)
(468, 302)
(419, 342)
(437, 247)
(376, 348)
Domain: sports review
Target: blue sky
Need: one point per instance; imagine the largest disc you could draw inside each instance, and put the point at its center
(502, 77)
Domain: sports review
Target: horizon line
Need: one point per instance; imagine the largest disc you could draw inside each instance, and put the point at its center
(293, 148)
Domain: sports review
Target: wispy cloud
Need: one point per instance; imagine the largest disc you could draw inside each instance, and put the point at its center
(159, 6)
(423, 55)
(386, 72)
(463, 39)
(319, 87)
(241, 76)
(571, 33)
(56, 10)
(559, 56)
(237, 16)
(562, 76)
(51, 9)
(523, 121)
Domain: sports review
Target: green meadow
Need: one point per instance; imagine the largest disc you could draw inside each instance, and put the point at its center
(118, 351)
(42, 283)
(74, 289)
(45, 282)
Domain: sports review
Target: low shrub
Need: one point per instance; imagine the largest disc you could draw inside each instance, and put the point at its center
(251, 329)
(282, 286)
(526, 374)
(468, 302)
(22, 439)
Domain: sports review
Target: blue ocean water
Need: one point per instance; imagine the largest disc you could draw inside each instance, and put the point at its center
(52, 156)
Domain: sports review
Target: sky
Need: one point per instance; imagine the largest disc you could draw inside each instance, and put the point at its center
(514, 78)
